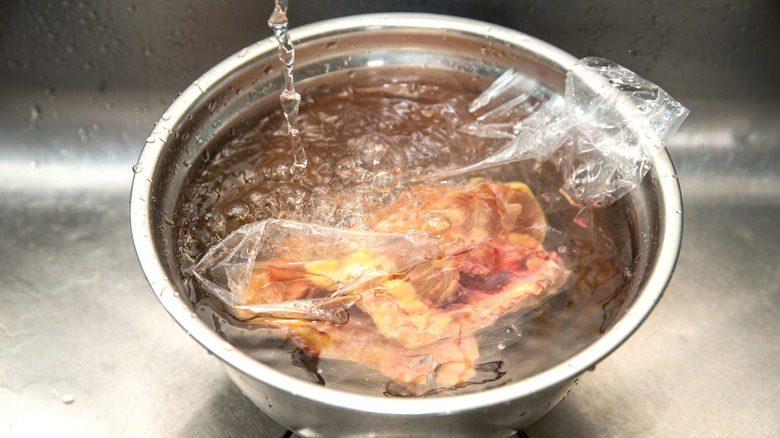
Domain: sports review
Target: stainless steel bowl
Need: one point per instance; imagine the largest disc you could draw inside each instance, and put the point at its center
(378, 48)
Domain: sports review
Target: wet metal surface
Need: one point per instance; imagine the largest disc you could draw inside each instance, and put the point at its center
(86, 349)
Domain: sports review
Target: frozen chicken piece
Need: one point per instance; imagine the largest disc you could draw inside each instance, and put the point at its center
(438, 265)
(443, 364)
(484, 211)
(491, 282)
(493, 263)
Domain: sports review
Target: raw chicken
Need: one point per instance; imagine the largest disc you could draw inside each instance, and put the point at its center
(415, 325)
(493, 262)
(442, 364)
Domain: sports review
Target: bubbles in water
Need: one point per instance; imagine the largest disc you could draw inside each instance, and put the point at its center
(384, 182)
(237, 210)
(345, 166)
(323, 209)
(282, 171)
(371, 198)
(377, 152)
(256, 198)
(360, 175)
(270, 206)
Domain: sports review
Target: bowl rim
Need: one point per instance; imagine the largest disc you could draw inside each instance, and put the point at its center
(670, 200)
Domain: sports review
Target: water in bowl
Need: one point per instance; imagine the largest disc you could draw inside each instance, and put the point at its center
(364, 144)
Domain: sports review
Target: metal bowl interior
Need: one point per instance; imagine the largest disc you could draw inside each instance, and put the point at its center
(391, 47)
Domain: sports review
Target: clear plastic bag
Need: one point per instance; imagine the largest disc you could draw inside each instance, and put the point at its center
(440, 265)
(602, 135)
(279, 269)
(418, 291)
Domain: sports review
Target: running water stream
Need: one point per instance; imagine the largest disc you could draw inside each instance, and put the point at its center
(289, 98)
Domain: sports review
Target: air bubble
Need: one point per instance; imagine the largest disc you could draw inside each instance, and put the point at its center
(237, 210)
(384, 182)
(371, 198)
(345, 166)
(360, 175)
(282, 172)
(376, 152)
(271, 206)
(288, 203)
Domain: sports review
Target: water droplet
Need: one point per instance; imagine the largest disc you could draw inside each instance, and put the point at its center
(35, 113)
(34, 163)
(501, 346)
(150, 139)
(678, 211)
(242, 53)
(68, 398)
(137, 168)
(176, 294)
(166, 117)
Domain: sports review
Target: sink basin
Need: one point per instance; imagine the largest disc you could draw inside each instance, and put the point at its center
(85, 346)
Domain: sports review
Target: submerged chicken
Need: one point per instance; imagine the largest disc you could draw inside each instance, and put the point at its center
(415, 322)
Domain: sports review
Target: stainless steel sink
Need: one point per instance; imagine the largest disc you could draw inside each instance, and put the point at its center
(86, 350)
